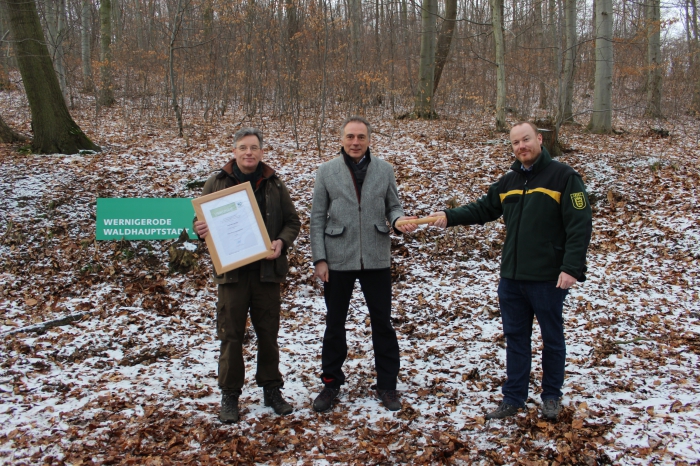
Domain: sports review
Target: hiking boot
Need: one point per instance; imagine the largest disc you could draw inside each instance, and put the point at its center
(504, 410)
(229, 407)
(390, 399)
(273, 397)
(551, 409)
(324, 400)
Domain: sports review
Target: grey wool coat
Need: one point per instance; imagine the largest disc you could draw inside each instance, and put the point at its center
(349, 231)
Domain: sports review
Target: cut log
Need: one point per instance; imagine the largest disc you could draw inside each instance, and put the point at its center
(44, 326)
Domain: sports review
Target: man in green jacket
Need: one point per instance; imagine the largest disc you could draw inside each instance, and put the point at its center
(548, 227)
(254, 287)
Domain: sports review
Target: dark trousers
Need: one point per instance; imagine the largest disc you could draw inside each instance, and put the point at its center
(376, 287)
(520, 301)
(263, 301)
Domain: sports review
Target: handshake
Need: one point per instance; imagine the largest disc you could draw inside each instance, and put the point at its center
(438, 219)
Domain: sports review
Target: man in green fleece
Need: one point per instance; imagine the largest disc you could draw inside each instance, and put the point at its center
(548, 227)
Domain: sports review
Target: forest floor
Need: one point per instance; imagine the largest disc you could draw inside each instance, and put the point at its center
(134, 379)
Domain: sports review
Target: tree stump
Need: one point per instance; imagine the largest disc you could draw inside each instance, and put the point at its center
(181, 252)
(550, 140)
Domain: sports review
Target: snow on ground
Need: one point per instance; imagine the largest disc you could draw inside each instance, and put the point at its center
(134, 380)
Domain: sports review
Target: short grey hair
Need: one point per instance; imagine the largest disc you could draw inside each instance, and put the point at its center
(243, 132)
(357, 119)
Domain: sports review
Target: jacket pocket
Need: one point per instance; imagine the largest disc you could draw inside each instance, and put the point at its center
(335, 245)
(282, 265)
(383, 229)
(382, 241)
(334, 231)
(552, 255)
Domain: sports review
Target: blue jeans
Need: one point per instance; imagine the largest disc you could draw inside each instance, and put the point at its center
(520, 301)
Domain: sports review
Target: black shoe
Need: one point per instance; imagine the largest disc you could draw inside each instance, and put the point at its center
(504, 410)
(229, 407)
(551, 409)
(390, 399)
(273, 397)
(324, 400)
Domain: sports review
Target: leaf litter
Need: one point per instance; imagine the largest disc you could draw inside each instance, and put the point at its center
(132, 379)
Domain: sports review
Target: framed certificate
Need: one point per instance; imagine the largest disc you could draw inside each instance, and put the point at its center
(237, 235)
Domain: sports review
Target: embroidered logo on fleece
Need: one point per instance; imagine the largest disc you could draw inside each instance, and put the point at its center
(578, 200)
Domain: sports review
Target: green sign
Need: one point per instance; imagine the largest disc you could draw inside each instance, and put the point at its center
(135, 218)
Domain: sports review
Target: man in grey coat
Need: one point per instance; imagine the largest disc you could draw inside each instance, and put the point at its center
(355, 205)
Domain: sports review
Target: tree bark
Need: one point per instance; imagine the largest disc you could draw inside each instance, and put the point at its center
(497, 23)
(171, 67)
(696, 56)
(54, 129)
(601, 119)
(140, 30)
(7, 134)
(355, 16)
(426, 71)
(445, 40)
(654, 60)
(566, 96)
(85, 51)
(106, 96)
(60, 60)
(539, 31)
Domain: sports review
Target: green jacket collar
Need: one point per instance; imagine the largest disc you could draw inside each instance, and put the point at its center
(540, 164)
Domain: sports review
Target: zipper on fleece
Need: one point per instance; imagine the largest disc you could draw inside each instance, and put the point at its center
(517, 230)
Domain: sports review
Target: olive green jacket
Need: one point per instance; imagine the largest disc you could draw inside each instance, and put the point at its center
(281, 220)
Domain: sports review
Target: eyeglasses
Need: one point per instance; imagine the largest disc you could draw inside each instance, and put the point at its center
(252, 148)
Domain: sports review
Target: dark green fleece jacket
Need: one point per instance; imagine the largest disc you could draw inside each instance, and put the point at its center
(547, 216)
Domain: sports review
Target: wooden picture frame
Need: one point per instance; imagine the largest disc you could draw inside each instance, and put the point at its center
(237, 234)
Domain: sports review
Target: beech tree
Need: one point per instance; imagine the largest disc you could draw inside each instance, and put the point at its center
(426, 73)
(601, 118)
(85, 45)
(106, 97)
(444, 42)
(654, 61)
(497, 24)
(566, 84)
(54, 129)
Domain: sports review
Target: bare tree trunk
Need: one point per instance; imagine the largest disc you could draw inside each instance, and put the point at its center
(695, 54)
(116, 21)
(106, 97)
(292, 57)
(654, 60)
(54, 26)
(601, 119)
(426, 73)
(406, 42)
(140, 33)
(539, 31)
(566, 96)
(54, 129)
(497, 24)
(322, 116)
(445, 40)
(86, 54)
(60, 56)
(171, 67)
(355, 16)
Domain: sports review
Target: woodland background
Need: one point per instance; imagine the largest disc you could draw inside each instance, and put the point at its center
(180, 61)
(108, 353)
